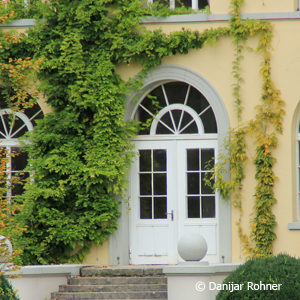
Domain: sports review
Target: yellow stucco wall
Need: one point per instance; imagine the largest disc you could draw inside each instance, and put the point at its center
(98, 255)
(222, 6)
(215, 64)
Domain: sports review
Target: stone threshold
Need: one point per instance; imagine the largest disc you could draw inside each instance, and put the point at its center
(199, 268)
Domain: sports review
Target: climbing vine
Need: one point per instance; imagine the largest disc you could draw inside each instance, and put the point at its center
(264, 129)
(17, 83)
(80, 152)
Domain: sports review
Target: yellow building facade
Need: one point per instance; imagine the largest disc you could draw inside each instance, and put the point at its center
(214, 64)
(208, 73)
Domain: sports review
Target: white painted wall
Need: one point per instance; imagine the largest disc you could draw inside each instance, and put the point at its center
(38, 282)
(196, 281)
(37, 287)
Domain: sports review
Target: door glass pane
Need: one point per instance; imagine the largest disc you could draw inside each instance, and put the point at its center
(160, 207)
(145, 184)
(159, 160)
(205, 188)
(207, 159)
(145, 160)
(193, 183)
(153, 181)
(160, 183)
(193, 207)
(193, 159)
(146, 207)
(200, 196)
(208, 207)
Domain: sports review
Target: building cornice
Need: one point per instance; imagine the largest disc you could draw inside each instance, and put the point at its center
(203, 17)
(191, 18)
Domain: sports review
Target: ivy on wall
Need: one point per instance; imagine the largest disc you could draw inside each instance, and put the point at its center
(80, 153)
(263, 129)
(17, 74)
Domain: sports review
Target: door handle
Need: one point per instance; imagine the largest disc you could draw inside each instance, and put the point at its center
(171, 214)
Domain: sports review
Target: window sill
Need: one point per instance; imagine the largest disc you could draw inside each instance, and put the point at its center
(294, 225)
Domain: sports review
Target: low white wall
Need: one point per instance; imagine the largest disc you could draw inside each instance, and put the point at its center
(196, 281)
(190, 281)
(38, 282)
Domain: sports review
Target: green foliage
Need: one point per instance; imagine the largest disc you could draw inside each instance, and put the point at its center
(281, 269)
(264, 221)
(68, 207)
(263, 128)
(80, 153)
(6, 290)
(19, 9)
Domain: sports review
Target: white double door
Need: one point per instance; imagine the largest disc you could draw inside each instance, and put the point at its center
(169, 198)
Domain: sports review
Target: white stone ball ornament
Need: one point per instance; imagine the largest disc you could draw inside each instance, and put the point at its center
(192, 247)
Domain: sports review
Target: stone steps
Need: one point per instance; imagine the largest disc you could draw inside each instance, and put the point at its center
(113, 288)
(115, 283)
(117, 280)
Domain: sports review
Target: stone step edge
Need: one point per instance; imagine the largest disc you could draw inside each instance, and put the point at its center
(116, 280)
(130, 287)
(121, 299)
(128, 294)
(120, 272)
(158, 277)
(115, 285)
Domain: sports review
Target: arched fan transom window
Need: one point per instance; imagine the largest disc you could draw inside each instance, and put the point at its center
(175, 108)
(14, 125)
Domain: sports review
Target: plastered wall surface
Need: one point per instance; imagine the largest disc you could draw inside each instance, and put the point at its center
(214, 63)
(256, 6)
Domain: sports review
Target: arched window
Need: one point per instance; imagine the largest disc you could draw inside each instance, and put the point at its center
(175, 108)
(13, 125)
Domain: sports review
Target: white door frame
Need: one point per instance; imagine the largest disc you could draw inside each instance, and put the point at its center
(119, 241)
(208, 227)
(161, 232)
(180, 223)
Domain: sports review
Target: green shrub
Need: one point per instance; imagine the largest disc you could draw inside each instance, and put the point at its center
(6, 290)
(258, 275)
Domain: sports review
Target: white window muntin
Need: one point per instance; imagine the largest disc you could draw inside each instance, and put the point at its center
(194, 4)
(177, 129)
(8, 140)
